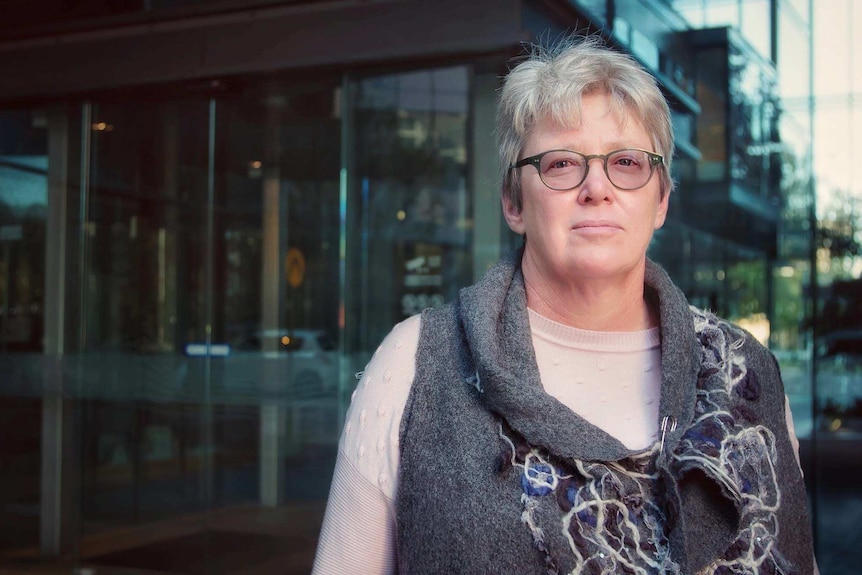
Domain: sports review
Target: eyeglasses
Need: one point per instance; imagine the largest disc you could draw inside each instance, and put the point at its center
(561, 170)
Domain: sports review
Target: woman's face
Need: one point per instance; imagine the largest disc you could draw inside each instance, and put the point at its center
(594, 231)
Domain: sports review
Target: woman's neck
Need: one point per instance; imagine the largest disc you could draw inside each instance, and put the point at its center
(595, 304)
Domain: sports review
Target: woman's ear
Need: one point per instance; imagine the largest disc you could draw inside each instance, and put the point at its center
(661, 212)
(513, 215)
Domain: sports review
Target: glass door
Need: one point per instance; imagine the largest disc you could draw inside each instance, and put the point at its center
(210, 365)
(23, 229)
(145, 354)
(277, 243)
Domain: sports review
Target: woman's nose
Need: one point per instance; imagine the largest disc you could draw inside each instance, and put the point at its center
(596, 186)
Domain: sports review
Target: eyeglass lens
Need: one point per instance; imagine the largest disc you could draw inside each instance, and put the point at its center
(626, 169)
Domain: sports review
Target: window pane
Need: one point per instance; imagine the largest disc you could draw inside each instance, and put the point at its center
(23, 232)
(146, 431)
(409, 182)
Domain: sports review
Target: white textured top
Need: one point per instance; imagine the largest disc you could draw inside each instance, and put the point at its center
(611, 379)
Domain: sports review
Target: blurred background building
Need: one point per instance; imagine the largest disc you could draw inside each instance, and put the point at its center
(211, 212)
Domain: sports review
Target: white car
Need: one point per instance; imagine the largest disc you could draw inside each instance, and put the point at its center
(297, 364)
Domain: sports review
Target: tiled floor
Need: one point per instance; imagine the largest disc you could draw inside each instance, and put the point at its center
(248, 540)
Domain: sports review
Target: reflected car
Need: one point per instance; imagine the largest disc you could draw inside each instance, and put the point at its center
(839, 381)
(296, 364)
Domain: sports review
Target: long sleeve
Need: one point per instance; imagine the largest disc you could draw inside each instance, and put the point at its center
(359, 527)
(794, 441)
(358, 534)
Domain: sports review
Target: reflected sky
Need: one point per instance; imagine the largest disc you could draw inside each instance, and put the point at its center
(24, 181)
(838, 98)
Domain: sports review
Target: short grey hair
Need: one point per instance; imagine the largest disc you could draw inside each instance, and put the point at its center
(549, 84)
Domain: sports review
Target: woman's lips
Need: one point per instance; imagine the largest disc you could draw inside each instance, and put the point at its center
(596, 226)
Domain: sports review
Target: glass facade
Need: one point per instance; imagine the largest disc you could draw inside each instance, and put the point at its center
(192, 272)
(190, 346)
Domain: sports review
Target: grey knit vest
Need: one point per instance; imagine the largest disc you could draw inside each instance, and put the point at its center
(497, 476)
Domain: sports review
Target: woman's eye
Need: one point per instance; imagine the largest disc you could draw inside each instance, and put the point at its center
(563, 163)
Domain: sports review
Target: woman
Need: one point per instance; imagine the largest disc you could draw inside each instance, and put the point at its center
(570, 413)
